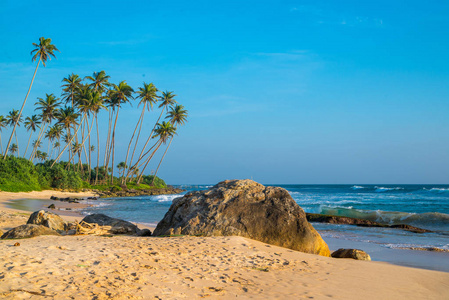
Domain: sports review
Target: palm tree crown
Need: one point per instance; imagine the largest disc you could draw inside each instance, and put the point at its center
(44, 50)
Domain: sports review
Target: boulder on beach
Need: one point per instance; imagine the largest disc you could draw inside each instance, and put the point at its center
(243, 208)
(118, 226)
(28, 231)
(47, 219)
(351, 253)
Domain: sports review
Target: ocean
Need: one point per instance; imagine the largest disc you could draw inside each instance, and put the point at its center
(424, 206)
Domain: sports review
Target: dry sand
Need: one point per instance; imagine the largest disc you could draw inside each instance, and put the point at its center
(125, 267)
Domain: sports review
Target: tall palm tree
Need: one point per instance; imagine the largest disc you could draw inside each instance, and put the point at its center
(147, 95)
(31, 123)
(120, 94)
(44, 50)
(163, 132)
(177, 116)
(167, 99)
(2, 125)
(14, 119)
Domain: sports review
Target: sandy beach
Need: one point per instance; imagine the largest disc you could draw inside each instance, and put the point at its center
(128, 267)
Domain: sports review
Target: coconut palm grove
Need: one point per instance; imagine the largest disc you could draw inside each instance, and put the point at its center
(64, 149)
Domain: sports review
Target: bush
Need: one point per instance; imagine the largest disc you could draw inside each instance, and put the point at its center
(159, 183)
(18, 175)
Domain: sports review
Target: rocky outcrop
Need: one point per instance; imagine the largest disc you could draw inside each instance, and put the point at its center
(47, 219)
(244, 208)
(351, 253)
(27, 231)
(117, 226)
(360, 222)
(131, 192)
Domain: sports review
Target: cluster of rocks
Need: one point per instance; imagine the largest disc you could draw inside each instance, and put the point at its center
(232, 207)
(48, 223)
(133, 192)
(360, 222)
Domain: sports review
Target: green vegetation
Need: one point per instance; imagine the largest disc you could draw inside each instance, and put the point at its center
(18, 174)
(65, 128)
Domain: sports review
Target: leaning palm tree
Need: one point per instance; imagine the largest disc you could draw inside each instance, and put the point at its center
(14, 119)
(3, 121)
(120, 94)
(177, 116)
(147, 95)
(163, 132)
(31, 123)
(167, 99)
(44, 50)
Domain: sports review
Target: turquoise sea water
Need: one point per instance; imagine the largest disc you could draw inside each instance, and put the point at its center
(425, 206)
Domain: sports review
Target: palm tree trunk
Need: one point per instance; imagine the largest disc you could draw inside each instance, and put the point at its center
(98, 150)
(29, 139)
(136, 165)
(21, 109)
(106, 151)
(148, 161)
(131, 141)
(113, 144)
(157, 169)
(17, 142)
(65, 147)
(135, 145)
(151, 134)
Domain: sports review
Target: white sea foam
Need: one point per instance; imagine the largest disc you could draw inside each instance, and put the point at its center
(357, 187)
(385, 189)
(438, 190)
(165, 198)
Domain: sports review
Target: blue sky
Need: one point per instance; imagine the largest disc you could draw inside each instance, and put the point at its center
(277, 91)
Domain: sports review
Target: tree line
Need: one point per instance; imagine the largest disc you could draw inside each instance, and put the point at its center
(67, 124)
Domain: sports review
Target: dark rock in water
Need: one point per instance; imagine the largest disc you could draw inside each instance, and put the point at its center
(244, 208)
(47, 219)
(92, 198)
(144, 232)
(351, 253)
(52, 206)
(360, 222)
(118, 226)
(27, 231)
(54, 198)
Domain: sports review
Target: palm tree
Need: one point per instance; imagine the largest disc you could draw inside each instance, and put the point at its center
(44, 50)
(3, 121)
(14, 119)
(71, 85)
(167, 99)
(67, 118)
(100, 81)
(48, 108)
(13, 148)
(119, 95)
(164, 131)
(147, 95)
(31, 123)
(177, 116)
(121, 167)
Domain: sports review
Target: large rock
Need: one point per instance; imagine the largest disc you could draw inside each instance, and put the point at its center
(244, 208)
(351, 253)
(118, 226)
(27, 231)
(47, 219)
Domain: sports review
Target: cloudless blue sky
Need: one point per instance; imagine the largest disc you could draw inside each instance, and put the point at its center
(277, 91)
